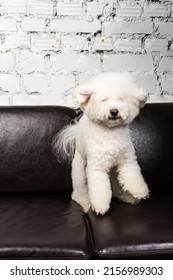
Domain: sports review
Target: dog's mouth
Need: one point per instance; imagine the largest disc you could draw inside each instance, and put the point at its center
(114, 118)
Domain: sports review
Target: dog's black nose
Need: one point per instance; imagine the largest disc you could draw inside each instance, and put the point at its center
(114, 112)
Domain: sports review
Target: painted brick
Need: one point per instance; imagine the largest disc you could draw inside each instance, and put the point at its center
(69, 8)
(35, 83)
(12, 42)
(4, 99)
(34, 99)
(7, 61)
(43, 7)
(148, 82)
(156, 10)
(23, 99)
(166, 65)
(9, 83)
(125, 10)
(37, 99)
(83, 78)
(76, 43)
(47, 44)
(154, 44)
(102, 44)
(128, 62)
(14, 7)
(75, 62)
(30, 62)
(53, 99)
(7, 24)
(61, 83)
(128, 45)
(75, 26)
(70, 100)
(119, 27)
(95, 8)
(167, 84)
(33, 25)
(73, 40)
(166, 28)
(1, 46)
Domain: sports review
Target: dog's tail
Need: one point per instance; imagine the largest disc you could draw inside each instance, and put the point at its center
(64, 143)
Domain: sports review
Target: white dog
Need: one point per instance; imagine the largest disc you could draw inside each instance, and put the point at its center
(101, 142)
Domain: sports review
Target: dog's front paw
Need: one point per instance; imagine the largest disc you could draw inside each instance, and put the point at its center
(100, 206)
(100, 209)
(100, 201)
(83, 200)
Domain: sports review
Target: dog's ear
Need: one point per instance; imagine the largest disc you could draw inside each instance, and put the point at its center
(83, 94)
(140, 96)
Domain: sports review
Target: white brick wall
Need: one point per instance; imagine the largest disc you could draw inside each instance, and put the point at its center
(165, 28)
(95, 8)
(154, 44)
(33, 24)
(29, 62)
(128, 45)
(129, 10)
(68, 63)
(15, 41)
(75, 26)
(69, 9)
(47, 47)
(128, 62)
(128, 27)
(37, 7)
(7, 62)
(14, 7)
(156, 10)
(7, 24)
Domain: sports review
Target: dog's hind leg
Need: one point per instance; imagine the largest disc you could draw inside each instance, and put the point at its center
(119, 192)
(80, 190)
(131, 179)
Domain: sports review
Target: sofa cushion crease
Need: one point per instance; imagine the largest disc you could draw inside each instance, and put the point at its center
(134, 230)
(42, 226)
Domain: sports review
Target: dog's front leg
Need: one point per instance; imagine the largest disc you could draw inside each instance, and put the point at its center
(99, 189)
(131, 179)
(80, 191)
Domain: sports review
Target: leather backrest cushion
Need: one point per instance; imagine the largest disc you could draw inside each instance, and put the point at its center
(152, 134)
(27, 163)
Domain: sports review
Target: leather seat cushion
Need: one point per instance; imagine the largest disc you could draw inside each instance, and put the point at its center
(139, 230)
(42, 226)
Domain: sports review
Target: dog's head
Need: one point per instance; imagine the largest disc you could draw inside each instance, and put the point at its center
(111, 99)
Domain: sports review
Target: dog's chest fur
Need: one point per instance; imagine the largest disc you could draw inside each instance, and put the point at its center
(102, 145)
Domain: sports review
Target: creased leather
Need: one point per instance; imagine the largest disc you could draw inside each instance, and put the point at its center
(152, 134)
(42, 226)
(27, 163)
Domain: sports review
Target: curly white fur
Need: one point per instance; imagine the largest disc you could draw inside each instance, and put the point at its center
(101, 142)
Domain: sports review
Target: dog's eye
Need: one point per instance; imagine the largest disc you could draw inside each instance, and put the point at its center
(104, 99)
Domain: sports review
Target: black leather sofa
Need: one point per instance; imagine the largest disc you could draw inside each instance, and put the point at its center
(38, 220)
